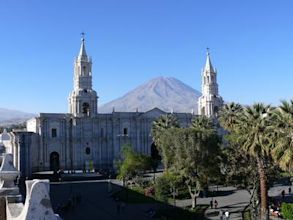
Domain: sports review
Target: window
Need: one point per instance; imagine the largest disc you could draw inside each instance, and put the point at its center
(87, 150)
(86, 108)
(102, 132)
(125, 131)
(54, 132)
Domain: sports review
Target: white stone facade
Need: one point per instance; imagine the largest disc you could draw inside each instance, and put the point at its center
(210, 102)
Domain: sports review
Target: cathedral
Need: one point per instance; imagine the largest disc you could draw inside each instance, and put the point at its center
(85, 139)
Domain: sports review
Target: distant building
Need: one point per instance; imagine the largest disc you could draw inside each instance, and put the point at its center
(83, 138)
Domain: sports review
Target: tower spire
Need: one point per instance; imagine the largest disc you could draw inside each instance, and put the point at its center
(208, 66)
(82, 51)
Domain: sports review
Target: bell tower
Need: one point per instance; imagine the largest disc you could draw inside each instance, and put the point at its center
(210, 101)
(83, 99)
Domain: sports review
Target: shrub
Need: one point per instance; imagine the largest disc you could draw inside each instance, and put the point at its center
(164, 184)
(287, 210)
(162, 188)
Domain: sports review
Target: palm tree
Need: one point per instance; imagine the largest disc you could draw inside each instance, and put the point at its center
(161, 137)
(253, 132)
(162, 123)
(229, 115)
(283, 150)
(202, 122)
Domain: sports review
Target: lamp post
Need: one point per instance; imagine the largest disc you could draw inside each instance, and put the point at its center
(109, 185)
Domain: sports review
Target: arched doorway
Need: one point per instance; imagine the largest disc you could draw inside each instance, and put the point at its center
(54, 161)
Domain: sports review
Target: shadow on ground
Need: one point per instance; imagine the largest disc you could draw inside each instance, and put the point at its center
(92, 200)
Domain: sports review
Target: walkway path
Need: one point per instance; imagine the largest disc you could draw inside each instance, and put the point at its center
(235, 201)
(229, 198)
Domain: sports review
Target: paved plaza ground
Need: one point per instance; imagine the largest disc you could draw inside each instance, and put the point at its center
(92, 200)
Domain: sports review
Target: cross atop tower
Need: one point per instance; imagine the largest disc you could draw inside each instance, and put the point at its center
(82, 36)
(208, 51)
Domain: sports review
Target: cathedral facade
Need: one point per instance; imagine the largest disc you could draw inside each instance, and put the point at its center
(85, 139)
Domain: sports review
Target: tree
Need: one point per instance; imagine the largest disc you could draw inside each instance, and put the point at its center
(132, 163)
(190, 153)
(192, 156)
(159, 127)
(164, 184)
(252, 131)
(202, 122)
(283, 149)
(161, 124)
(229, 116)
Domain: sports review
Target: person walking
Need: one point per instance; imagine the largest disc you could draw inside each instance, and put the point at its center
(283, 194)
(216, 204)
(211, 204)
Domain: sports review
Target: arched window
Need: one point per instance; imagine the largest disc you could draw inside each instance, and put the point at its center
(88, 151)
(86, 109)
(84, 70)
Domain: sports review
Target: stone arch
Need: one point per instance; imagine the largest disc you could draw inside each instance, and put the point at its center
(54, 161)
(86, 108)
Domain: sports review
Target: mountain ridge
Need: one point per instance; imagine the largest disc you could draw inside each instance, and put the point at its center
(9, 116)
(166, 93)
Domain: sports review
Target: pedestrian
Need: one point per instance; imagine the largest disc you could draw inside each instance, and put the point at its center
(216, 204)
(227, 215)
(211, 204)
(289, 190)
(283, 194)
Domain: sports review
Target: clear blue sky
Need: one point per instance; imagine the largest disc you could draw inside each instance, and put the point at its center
(133, 41)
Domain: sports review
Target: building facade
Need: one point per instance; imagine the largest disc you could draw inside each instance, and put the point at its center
(83, 138)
